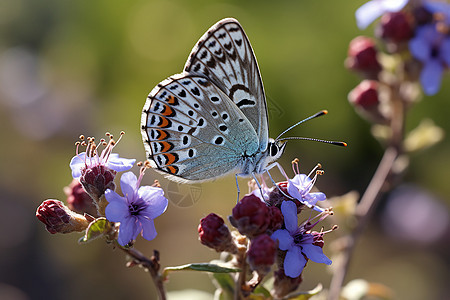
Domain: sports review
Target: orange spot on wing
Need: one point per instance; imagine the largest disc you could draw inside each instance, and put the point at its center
(171, 158)
(164, 122)
(171, 99)
(166, 146)
(172, 170)
(162, 135)
(168, 111)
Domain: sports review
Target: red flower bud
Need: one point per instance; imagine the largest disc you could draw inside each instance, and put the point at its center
(59, 218)
(78, 200)
(362, 57)
(214, 233)
(261, 253)
(365, 98)
(276, 197)
(97, 179)
(365, 94)
(276, 218)
(395, 27)
(251, 216)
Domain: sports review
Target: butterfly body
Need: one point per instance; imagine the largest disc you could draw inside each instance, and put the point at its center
(211, 119)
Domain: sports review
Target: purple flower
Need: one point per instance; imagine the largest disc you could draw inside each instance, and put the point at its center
(108, 159)
(432, 48)
(300, 188)
(298, 241)
(136, 210)
(373, 9)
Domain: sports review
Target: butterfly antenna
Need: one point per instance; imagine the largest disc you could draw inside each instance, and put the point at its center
(343, 144)
(319, 114)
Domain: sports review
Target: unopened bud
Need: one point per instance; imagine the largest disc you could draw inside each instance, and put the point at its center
(97, 179)
(213, 233)
(396, 27)
(362, 57)
(58, 218)
(284, 285)
(365, 98)
(78, 200)
(261, 254)
(251, 216)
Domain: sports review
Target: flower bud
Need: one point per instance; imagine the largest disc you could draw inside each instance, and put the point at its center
(278, 194)
(362, 57)
(276, 218)
(365, 95)
(396, 27)
(214, 233)
(97, 179)
(365, 98)
(261, 254)
(283, 284)
(251, 216)
(59, 218)
(78, 200)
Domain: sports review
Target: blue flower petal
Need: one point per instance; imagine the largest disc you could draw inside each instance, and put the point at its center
(393, 5)
(294, 262)
(293, 190)
(117, 209)
(284, 238)
(148, 229)
(128, 184)
(430, 77)
(315, 254)
(420, 46)
(367, 13)
(438, 7)
(119, 164)
(128, 230)
(289, 211)
(154, 197)
(313, 198)
(445, 51)
(76, 164)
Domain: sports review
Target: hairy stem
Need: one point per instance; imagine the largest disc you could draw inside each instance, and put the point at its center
(369, 200)
(149, 264)
(364, 212)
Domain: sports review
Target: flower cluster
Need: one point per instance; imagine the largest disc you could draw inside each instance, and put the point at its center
(416, 38)
(269, 224)
(91, 197)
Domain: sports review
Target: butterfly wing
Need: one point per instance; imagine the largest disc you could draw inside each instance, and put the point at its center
(192, 131)
(225, 56)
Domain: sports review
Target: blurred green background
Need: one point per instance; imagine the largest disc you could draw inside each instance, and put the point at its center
(85, 67)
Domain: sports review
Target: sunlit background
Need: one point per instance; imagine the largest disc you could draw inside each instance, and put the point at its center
(85, 67)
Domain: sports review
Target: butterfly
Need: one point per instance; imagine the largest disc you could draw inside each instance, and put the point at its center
(211, 120)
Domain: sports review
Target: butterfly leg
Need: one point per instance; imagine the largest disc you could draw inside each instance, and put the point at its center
(259, 185)
(271, 166)
(237, 186)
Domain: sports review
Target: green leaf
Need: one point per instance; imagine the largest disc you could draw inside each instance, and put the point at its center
(261, 291)
(95, 230)
(226, 285)
(202, 267)
(305, 295)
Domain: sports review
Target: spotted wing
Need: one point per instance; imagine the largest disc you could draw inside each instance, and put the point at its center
(192, 131)
(225, 56)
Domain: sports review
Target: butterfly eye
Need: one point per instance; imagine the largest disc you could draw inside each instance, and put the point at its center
(273, 149)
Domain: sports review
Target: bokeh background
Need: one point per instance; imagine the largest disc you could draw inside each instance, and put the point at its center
(85, 67)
